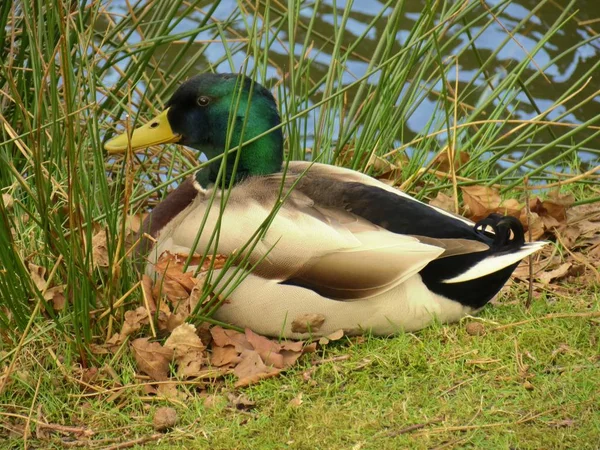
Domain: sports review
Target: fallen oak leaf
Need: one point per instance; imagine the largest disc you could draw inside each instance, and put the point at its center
(569, 235)
(224, 356)
(8, 201)
(134, 319)
(56, 295)
(510, 207)
(100, 249)
(188, 350)
(134, 222)
(335, 336)
(307, 323)
(480, 201)
(267, 349)
(170, 391)
(171, 265)
(442, 160)
(555, 274)
(291, 353)
(222, 337)
(252, 369)
(152, 358)
(532, 225)
(556, 205)
(38, 276)
(172, 290)
(444, 202)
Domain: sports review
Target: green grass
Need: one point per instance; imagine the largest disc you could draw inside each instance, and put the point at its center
(71, 76)
(470, 391)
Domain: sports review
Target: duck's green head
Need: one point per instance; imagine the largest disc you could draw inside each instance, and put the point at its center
(198, 115)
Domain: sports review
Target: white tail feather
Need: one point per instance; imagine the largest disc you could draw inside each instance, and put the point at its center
(493, 264)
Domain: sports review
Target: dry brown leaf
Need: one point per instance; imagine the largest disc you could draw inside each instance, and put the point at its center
(253, 357)
(171, 266)
(203, 332)
(443, 201)
(113, 343)
(224, 356)
(555, 274)
(170, 391)
(335, 336)
(223, 337)
(293, 346)
(188, 350)
(100, 249)
(443, 161)
(267, 349)
(8, 201)
(522, 270)
(569, 235)
(291, 352)
(147, 292)
(510, 207)
(550, 223)
(480, 201)
(38, 276)
(588, 228)
(152, 358)
(134, 321)
(589, 212)
(556, 205)
(536, 225)
(172, 290)
(553, 210)
(134, 223)
(56, 295)
(164, 312)
(308, 323)
(252, 369)
(174, 320)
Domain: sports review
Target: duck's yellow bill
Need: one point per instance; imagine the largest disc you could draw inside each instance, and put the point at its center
(157, 131)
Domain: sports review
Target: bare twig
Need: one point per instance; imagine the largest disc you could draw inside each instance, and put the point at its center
(328, 360)
(416, 426)
(134, 442)
(80, 431)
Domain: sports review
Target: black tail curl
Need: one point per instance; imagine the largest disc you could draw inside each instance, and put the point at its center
(508, 231)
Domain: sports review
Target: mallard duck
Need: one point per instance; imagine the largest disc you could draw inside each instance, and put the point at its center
(343, 251)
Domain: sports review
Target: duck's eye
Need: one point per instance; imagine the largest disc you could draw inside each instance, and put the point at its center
(203, 101)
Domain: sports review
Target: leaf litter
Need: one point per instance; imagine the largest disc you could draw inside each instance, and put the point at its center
(195, 353)
(555, 218)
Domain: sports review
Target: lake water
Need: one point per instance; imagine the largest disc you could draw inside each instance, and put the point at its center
(560, 75)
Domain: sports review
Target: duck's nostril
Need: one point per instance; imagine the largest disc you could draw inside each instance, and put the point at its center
(153, 124)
